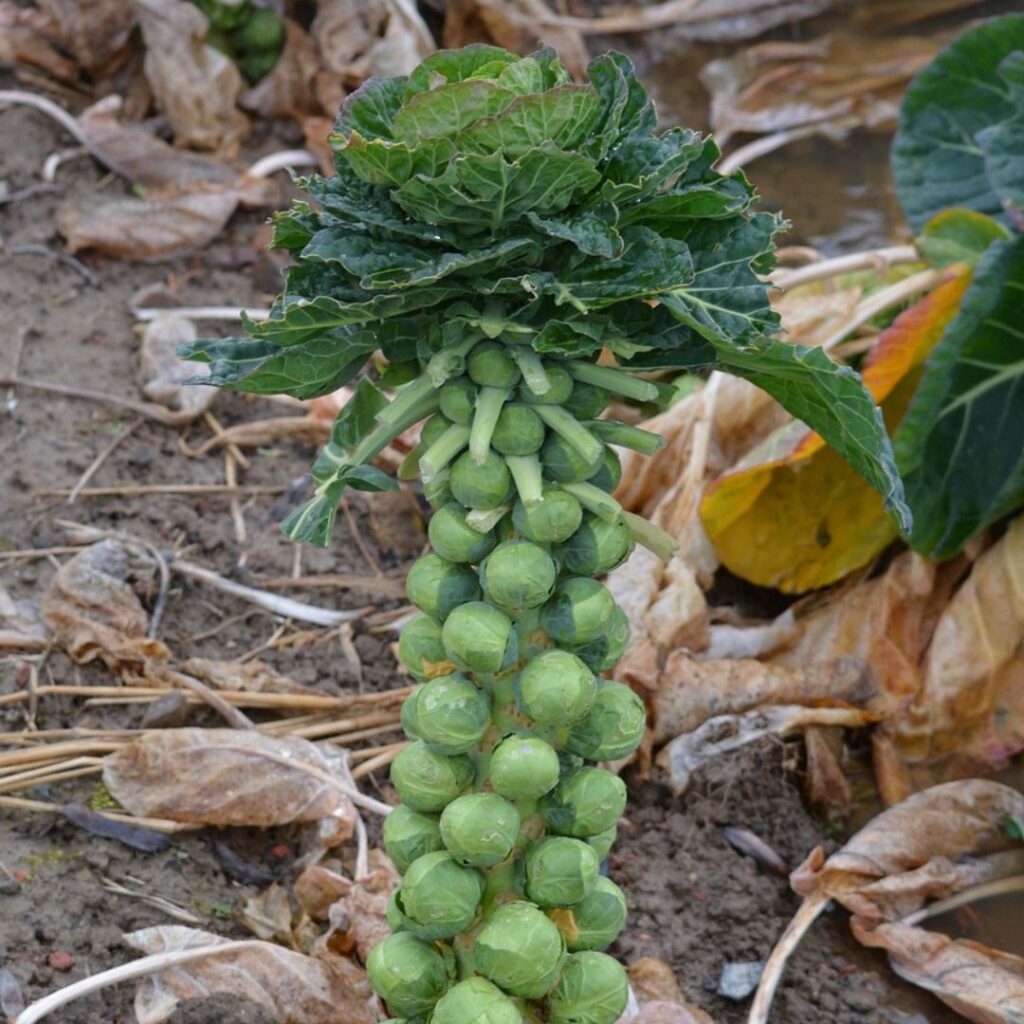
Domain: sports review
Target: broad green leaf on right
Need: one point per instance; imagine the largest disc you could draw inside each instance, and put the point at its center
(960, 447)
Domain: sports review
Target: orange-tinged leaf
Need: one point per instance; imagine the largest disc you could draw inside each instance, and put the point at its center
(793, 514)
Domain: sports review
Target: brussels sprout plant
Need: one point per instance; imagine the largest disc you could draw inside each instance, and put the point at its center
(517, 246)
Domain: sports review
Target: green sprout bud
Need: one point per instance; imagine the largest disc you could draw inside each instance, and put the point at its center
(602, 654)
(452, 715)
(613, 728)
(598, 917)
(408, 835)
(519, 431)
(437, 490)
(481, 485)
(597, 547)
(558, 394)
(433, 428)
(407, 973)
(587, 401)
(603, 841)
(407, 716)
(554, 519)
(397, 921)
(579, 611)
(593, 989)
(421, 649)
(428, 781)
(585, 802)
(521, 950)
(564, 463)
(518, 574)
(491, 365)
(453, 538)
(560, 871)
(608, 473)
(480, 829)
(479, 637)
(556, 688)
(475, 1001)
(440, 895)
(437, 586)
(523, 768)
(458, 399)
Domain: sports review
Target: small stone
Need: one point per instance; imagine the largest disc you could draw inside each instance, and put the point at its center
(9, 887)
(170, 711)
(738, 980)
(61, 961)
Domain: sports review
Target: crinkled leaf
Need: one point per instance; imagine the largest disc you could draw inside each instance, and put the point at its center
(294, 228)
(443, 112)
(381, 162)
(591, 231)
(958, 236)
(725, 197)
(643, 164)
(456, 65)
(371, 109)
(937, 158)
(961, 446)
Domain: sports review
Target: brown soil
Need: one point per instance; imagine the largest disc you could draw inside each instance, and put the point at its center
(696, 902)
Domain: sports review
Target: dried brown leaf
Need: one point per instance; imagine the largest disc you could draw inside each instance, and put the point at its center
(358, 919)
(826, 786)
(249, 676)
(268, 914)
(94, 610)
(291, 987)
(653, 980)
(317, 888)
(163, 374)
(224, 777)
(29, 38)
(92, 31)
(147, 229)
(195, 85)
(670, 1013)
(288, 90)
(982, 984)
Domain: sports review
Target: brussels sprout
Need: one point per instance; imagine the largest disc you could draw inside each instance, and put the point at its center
(480, 829)
(519, 431)
(521, 950)
(397, 921)
(440, 895)
(420, 648)
(593, 989)
(458, 398)
(475, 1001)
(479, 637)
(585, 802)
(451, 715)
(437, 586)
(407, 716)
(613, 728)
(558, 394)
(608, 473)
(407, 973)
(518, 574)
(433, 428)
(491, 365)
(408, 835)
(556, 688)
(579, 611)
(596, 547)
(564, 463)
(437, 490)
(554, 519)
(262, 31)
(428, 781)
(587, 401)
(560, 871)
(603, 841)
(602, 654)
(598, 917)
(481, 485)
(453, 538)
(523, 768)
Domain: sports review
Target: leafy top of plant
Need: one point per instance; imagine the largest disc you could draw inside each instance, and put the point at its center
(488, 195)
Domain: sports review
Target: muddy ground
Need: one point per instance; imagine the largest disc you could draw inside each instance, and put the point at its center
(695, 901)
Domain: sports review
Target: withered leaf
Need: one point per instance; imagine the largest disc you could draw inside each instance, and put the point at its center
(268, 914)
(92, 31)
(358, 919)
(224, 777)
(291, 987)
(317, 888)
(27, 37)
(288, 90)
(250, 676)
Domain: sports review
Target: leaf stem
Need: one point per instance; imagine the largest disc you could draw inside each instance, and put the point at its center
(562, 422)
(531, 368)
(593, 499)
(442, 451)
(408, 397)
(451, 361)
(652, 537)
(489, 402)
(483, 521)
(626, 436)
(385, 432)
(612, 379)
(526, 473)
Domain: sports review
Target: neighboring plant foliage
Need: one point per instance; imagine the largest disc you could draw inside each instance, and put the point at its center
(488, 194)
(961, 144)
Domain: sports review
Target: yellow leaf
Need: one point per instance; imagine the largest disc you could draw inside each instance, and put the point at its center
(793, 514)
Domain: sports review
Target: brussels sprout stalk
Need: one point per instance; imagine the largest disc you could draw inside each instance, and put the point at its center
(532, 370)
(595, 500)
(626, 436)
(526, 472)
(651, 536)
(566, 425)
(614, 380)
(488, 407)
(442, 451)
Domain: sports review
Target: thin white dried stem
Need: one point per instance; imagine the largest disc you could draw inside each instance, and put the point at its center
(878, 260)
(146, 313)
(637, 19)
(280, 161)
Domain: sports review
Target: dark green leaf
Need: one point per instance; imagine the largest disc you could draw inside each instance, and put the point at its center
(958, 236)
(961, 443)
(725, 197)
(591, 231)
(371, 109)
(294, 228)
(1015, 826)
(937, 160)
(644, 164)
(1003, 144)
